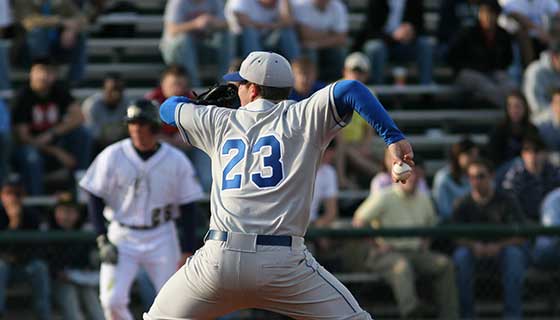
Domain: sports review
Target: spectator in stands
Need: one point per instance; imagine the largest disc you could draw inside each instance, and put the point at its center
(104, 112)
(263, 24)
(504, 145)
(396, 29)
(323, 32)
(487, 205)
(546, 252)
(550, 127)
(74, 282)
(48, 126)
(175, 82)
(399, 259)
(354, 156)
(22, 262)
(5, 22)
(326, 191)
(55, 29)
(451, 182)
(305, 79)
(541, 78)
(383, 179)
(454, 15)
(481, 55)
(533, 178)
(5, 141)
(191, 29)
(528, 20)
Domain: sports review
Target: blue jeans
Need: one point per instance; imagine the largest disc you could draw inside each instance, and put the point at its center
(4, 66)
(37, 273)
(330, 61)
(186, 49)
(512, 262)
(32, 165)
(283, 40)
(421, 50)
(69, 296)
(40, 44)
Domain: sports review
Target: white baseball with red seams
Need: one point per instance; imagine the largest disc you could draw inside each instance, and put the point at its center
(402, 171)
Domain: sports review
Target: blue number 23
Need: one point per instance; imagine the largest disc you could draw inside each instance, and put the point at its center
(272, 161)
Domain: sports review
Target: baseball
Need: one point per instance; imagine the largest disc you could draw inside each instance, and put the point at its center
(402, 171)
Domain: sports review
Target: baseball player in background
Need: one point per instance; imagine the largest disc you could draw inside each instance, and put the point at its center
(265, 157)
(140, 185)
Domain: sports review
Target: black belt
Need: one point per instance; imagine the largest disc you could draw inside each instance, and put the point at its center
(263, 240)
(139, 227)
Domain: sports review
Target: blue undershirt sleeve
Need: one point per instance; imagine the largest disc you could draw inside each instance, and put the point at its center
(352, 95)
(95, 211)
(187, 224)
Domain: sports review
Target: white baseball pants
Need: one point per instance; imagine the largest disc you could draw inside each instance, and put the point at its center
(224, 276)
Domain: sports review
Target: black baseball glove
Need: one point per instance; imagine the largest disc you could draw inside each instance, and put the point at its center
(221, 95)
(108, 252)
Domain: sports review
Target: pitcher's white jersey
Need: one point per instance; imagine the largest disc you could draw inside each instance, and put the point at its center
(138, 192)
(264, 159)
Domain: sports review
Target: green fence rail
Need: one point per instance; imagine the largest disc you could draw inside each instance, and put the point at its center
(451, 231)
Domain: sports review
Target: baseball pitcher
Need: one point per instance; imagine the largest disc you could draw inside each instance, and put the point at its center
(139, 185)
(265, 157)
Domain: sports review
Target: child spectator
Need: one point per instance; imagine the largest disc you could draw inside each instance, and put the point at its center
(75, 283)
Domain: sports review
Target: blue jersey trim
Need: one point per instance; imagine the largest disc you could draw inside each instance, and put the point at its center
(352, 95)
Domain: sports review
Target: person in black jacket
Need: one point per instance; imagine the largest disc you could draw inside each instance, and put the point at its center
(480, 56)
(22, 261)
(396, 27)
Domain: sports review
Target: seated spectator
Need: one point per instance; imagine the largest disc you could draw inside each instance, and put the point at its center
(527, 19)
(504, 144)
(48, 125)
(104, 112)
(480, 56)
(5, 21)
(383, 179)
(194, 29)
(5, 141)
(75, 284)
(263, 25)
(486, 205)
(54, 29)
(550, 127)
(323, 32)
(541, 78)
(22, 262)
(305, 79)
(451, 182)
(546, 253)
(355, 163)
(400, 259)
(533, 178)
(174, 82)
(396, 30)
(326, 191)
(454, 15)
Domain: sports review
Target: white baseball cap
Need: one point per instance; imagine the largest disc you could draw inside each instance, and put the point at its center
(357, 60)
(264, 68)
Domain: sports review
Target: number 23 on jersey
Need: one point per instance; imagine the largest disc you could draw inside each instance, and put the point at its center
(239, 149)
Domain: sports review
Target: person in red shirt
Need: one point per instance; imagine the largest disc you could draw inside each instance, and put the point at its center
(174, 81)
